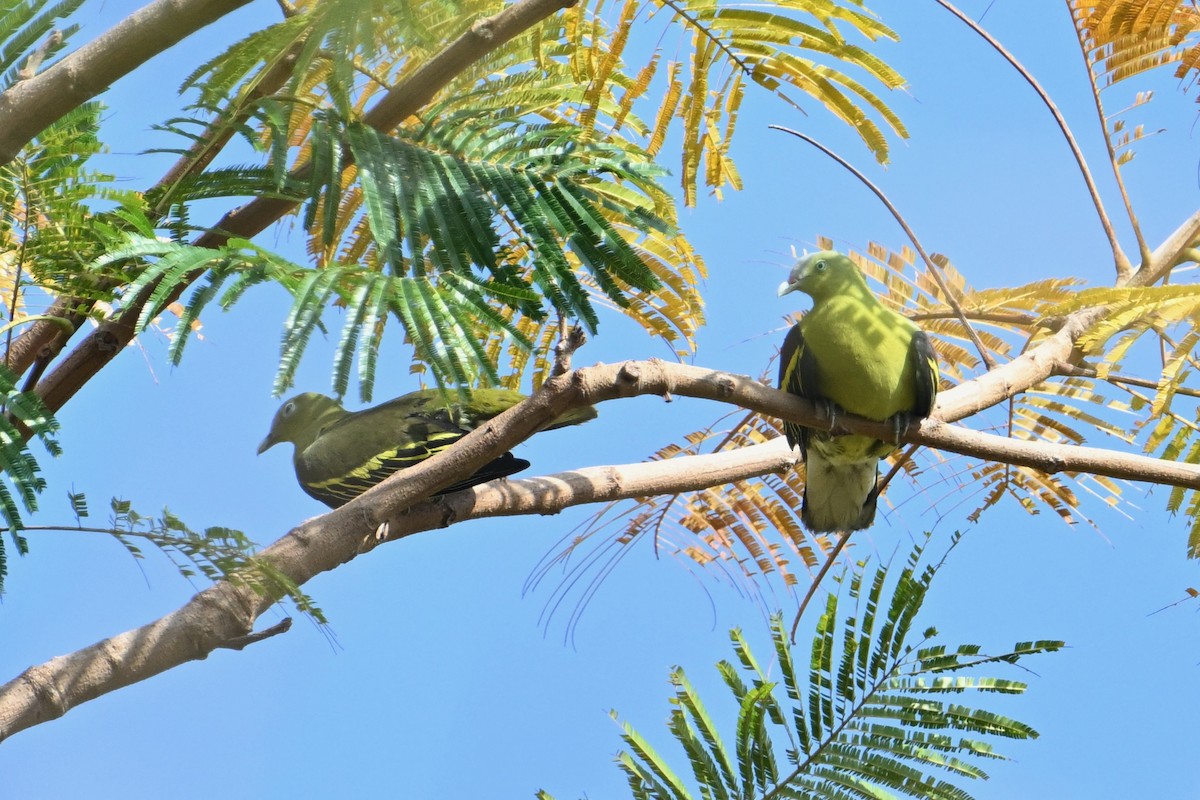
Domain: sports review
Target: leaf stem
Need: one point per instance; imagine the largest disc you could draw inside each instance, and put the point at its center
(850, 717)
(1123, 265)
(1143, 248)
(934, 270)
(833, 554)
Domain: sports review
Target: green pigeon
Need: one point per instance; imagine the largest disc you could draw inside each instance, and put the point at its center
(850, 352)
(340, 454)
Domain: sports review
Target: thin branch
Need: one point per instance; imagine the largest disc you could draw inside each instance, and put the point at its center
(845, 537)
(1143, 248)
(1123, 266)
(933, 268)
(994, 317)
(20, 261)
(812, 589)
(1076, 371)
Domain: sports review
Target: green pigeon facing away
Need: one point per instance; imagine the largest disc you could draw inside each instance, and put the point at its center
(852, 352)
(340, 454)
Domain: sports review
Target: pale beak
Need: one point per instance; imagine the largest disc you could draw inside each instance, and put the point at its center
(786, 287)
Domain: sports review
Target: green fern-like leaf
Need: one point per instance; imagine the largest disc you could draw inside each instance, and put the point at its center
(215, 553)
(24, 417)
(872, 720)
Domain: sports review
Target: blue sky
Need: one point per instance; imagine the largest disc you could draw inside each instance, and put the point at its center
(442, 684)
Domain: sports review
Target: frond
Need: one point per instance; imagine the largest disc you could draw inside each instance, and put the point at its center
(329, 43)
(874, 716)
(214, 553)
(49, 192)
(22, 415)
(793, 49)
(552, 223)
(1125, 39)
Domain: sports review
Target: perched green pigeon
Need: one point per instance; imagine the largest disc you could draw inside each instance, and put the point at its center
(850, 352)
(340, 454)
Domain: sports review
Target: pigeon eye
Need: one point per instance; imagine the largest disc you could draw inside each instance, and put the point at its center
(821, 266)
(289, 409)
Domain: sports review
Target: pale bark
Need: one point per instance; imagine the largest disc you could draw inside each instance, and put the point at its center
(29, 106)
(1168, 255)
(226, 612)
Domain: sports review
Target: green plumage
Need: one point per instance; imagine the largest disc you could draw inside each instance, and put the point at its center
(340, 454)
(850, 351)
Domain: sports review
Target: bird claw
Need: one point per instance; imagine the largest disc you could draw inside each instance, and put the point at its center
(901, 424)
(382, 531)
(828, 408)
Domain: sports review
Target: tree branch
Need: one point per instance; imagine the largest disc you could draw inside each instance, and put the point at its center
(29, 106)
(226, 612)
(1143, 249)
(1168, 254)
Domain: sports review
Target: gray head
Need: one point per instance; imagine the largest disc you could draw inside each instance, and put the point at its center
(300, 420)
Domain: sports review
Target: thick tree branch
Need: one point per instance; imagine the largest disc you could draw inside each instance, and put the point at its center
(1041, 361)
(31, 105)
(551, 494)
(226, 612)
(417, 89)
(1169, 254)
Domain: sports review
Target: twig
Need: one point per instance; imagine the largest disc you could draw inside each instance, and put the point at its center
(934, 270)
(570, 339)
(833, 554)
(242, 642)
(1191, 595)
(20, 259)
(1124, 267)
(37, 57)
(994, 317)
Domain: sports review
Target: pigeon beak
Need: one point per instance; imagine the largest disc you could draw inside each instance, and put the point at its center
(786, 287)
(266, 445)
